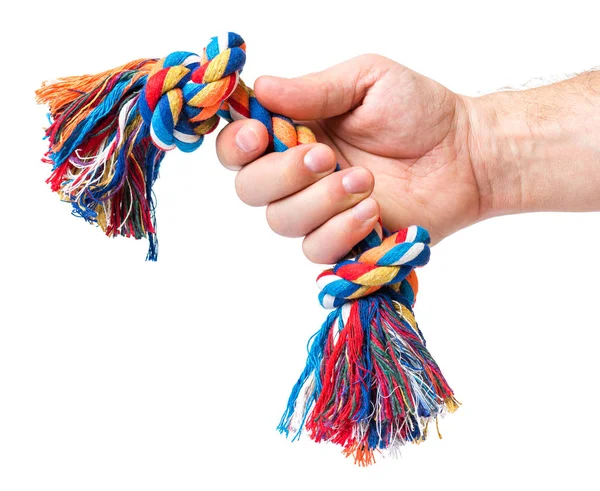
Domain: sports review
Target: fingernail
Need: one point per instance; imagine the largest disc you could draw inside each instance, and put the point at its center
(357, 181)
(247, 139)
(233, 167)
(365, 210)
(318, 159)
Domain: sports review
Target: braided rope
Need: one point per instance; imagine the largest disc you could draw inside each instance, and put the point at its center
(390, 264)
(185, 94)
(369, 379)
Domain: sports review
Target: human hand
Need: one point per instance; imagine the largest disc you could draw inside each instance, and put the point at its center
(413, 152)
(401, 140)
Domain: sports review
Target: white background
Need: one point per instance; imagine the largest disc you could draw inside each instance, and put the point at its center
(124, 375)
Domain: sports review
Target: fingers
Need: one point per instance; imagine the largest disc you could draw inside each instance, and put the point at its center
(302, 212)
(305, 197)
(278, 175)
(303, 194)
(329, 93)
(240, 142)
(336, 237)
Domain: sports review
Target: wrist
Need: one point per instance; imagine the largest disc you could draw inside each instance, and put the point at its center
(497, 138)
(537, 149)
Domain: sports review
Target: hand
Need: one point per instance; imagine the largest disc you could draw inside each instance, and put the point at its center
(401, 139)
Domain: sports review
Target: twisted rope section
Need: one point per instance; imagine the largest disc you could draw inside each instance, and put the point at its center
(185, 95)
(391, 263)
(184, 91)
(110, 131)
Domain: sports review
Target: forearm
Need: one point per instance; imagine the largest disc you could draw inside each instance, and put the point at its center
(538, 149)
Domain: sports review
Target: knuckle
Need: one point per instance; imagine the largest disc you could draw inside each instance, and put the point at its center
(293, 172)
(327, 88)
(289, 172)
(309, 251)
(374, 59)
(275, 221)
(241, 188)
(332, 195)
(317, 253)
(279, 220)
(332, 192)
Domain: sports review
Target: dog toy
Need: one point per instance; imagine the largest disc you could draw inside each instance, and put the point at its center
(370, 384)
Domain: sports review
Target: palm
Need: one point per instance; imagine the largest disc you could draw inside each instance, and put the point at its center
(412, 134)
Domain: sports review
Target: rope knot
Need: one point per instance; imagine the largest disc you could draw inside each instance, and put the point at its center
(184, 91)
(390, 262)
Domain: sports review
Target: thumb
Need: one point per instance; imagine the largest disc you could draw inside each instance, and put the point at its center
(325, 94)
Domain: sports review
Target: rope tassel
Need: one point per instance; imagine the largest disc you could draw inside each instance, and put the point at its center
(369, 383)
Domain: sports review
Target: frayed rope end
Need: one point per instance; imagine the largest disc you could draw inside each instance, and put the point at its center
(370, 384)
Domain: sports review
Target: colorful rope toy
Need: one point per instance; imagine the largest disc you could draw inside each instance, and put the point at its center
(369, 383)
